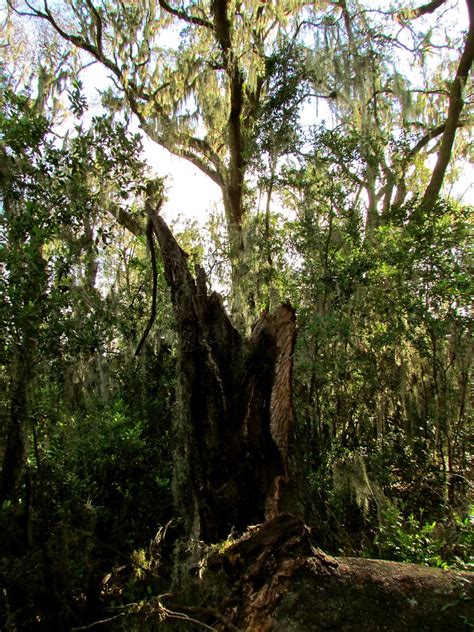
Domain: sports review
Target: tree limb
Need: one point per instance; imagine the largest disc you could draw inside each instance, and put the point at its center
(456, 104)
(100, 622)
(151, 320)
(429, 136)
(433, 133)
(179, 146)
(75, 39)
(182, 15)
(404, 15)
(98, 24)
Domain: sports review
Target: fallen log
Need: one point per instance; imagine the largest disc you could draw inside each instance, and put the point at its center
(275, 579)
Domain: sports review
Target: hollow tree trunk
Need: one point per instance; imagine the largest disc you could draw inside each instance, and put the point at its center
(234, 431)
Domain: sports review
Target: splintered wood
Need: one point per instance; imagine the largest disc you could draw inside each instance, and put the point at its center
(234, 431)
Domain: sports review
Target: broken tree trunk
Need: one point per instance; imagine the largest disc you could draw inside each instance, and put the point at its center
(234, 429)
(274, 579)
(234, 467)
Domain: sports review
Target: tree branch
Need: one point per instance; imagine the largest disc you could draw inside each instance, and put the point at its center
(182, 15)
(98, 25)
(177, 147)
(101, 622)
(214, 175)
(405, 15)
(456, 104)
(75, 39)
(424, 140)
(210, 612)
(127, 220)
(151, 320)
(181, 616)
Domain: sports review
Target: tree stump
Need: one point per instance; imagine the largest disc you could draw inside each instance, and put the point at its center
(233, 453)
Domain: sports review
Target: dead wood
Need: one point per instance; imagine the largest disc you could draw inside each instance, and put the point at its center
(275, 579)
(234, 428)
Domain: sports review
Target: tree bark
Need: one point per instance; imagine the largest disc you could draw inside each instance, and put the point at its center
(234, 463)
(274, 579)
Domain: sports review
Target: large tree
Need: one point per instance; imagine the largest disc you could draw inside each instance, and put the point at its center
(202, 80)
(193, 74)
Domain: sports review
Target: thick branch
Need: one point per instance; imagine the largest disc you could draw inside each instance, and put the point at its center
(182, 15)
(200, 164)
(127, 220)
(424, 140)
(182, 146)
(433, 133)
(404, 15)
(233, 194)
(456, 104)
(222, 26)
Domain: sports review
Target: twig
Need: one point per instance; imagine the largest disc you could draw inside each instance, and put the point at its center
(213, 613)
(101, 622)
(181, 616)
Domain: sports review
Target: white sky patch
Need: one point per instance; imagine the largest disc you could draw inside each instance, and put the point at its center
(190, 193)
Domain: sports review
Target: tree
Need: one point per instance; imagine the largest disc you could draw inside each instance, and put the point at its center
(382, 366)
(198, 100)
(207, 99)
(235, 407)
(51, 207)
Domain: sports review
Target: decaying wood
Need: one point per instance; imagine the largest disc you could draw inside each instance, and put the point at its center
(234, 430)
(274, 579)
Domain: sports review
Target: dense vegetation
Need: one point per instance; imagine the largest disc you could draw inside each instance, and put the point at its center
(318, 121)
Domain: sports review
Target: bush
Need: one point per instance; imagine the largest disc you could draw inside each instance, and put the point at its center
(443, 544)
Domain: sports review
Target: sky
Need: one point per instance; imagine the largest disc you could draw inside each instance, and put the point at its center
(190, 193)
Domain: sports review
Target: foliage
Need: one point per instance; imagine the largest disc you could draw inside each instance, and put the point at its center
(447, 544)
(93, 465)
(112, 465)
(321, 143)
